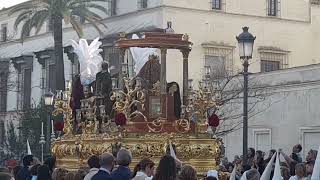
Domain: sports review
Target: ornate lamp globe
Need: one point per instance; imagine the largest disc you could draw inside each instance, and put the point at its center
(245, 43)
(48, 98)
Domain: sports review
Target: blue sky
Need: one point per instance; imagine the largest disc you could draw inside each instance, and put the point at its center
(8, 3)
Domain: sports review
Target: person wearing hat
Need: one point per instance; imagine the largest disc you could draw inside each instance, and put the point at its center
(24, 173)
(212, 174)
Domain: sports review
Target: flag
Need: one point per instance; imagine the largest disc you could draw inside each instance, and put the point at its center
(316, 168)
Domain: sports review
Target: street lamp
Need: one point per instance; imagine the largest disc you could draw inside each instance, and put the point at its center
(245, 43)
(48, 101)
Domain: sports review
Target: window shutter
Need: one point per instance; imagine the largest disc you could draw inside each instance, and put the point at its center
(278, 8)
(27, 88)
(3, 92)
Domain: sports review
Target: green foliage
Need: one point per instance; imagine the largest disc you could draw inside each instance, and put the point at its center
(34, 14)
(31, 128)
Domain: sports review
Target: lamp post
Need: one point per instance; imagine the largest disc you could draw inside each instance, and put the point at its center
(245, 43)
(48, 101)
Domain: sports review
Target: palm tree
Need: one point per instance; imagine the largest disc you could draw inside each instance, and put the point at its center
(34, 14)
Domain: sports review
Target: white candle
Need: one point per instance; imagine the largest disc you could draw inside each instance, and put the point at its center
(41, 128)
(52, 131)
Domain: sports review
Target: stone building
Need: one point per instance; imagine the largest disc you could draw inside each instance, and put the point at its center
(287, 36)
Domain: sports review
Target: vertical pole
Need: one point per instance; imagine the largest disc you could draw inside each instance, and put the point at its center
(48, 141)
(42, 153)
(245, 111)
(185, 76)
(163, 83)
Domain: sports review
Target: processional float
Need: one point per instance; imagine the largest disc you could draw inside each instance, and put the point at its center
(143, 113)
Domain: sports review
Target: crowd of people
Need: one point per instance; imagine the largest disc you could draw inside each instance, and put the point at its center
(117, 167)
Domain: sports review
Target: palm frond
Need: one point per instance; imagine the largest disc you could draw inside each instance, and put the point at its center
(38, 19)
(79, 2)
(76, 26)
(21, 17)
(26, 29)
(94, 24)
(96, 6)
(22, 7)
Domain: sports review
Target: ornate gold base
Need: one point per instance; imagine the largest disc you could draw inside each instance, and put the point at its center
(201, 152)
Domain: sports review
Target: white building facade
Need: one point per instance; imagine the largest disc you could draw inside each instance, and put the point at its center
(287, 36)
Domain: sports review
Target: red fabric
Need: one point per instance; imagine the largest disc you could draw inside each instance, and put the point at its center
(58, 126)
(120, 119)
(214, 120)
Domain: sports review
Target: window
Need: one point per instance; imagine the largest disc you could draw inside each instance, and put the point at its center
(267, 66)
(3, 92)
(272, 7)
(217, 65)
(142, 4)
(4, 32)
(219, 57)
(52, 78)
(112, 7)
(216, 4)
(262, 139)
(272, 59)
(27, 88)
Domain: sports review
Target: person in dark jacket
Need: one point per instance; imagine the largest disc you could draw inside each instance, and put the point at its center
(24, 173)
(106, 163)
(123, 171)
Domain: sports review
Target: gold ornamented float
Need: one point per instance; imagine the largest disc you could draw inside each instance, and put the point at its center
(142, 113)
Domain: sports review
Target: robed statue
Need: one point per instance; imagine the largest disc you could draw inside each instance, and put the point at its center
(104, 86)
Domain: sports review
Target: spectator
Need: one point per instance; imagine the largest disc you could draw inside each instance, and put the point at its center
(291, 162)
(300, 172)
(51, 163)
(16, 170)
(59, 174)
(81, 173)
(107, 164)
(24, 173)
(167, 169)
(252, 174)
(94, 165)
(285, 171)
(226, 164)
(271, 152)
(251, 154)
(143, 169)
(212, 173)
(312, 155)
(44, 173)
(259, 161)
(123, 172)
(34, 171)
(188, 173)
(309, 168)
(69, 176)
(296, 153)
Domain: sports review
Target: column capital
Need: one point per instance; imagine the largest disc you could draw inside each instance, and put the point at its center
(185, 53)
(42, 56)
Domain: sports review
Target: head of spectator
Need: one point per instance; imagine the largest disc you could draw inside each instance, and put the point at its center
(251, 153)
(93, 162)
(69, 176)
(309, 167)
(253, 174)
(188, 173)
(167, 169)
(59, 174)
(27, 160)
(107, 161)
(212, 173)
(300, 170)
(124, 157)
(312, 155)
(51, 163)
(297, 148)
(145, 166)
